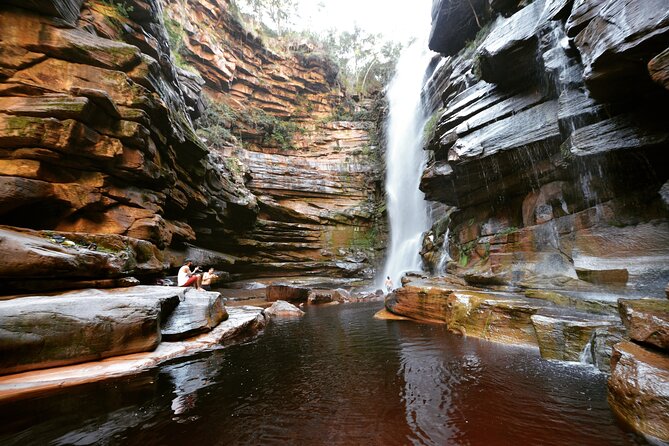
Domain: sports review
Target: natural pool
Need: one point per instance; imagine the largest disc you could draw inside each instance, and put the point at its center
(336, 376)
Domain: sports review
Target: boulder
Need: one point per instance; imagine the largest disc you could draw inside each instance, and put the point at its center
(647, 320)
(320, 297)
(288, 293)
(199, 312)
(281, 309)
(639, 389)
(51, 331)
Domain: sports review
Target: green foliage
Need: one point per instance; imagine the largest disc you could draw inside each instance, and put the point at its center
(431, 126)
(214, 126)
(366, 62)
(120, 6)
(220, 123)
(278, 15)
(176, 36)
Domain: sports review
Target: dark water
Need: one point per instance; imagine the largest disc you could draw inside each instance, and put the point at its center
(335, 377)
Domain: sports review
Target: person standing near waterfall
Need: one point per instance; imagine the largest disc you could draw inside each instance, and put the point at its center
(389, 284)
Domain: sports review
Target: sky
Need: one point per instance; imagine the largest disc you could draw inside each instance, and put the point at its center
(396, 19)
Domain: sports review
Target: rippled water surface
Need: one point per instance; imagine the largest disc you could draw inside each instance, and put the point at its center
(335, 377)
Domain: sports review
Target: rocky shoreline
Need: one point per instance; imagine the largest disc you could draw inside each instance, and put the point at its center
(626, 338)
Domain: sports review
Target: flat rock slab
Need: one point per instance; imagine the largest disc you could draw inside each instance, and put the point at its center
(639, 388)
(241, 321)
(51, 331)
(647, 320)
(199, 312)
(282, 308)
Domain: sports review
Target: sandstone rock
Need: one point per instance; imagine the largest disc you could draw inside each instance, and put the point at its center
(658, 68)
(647, 320)
(386, 315)
(567, 338)
(583, 11)
(454, 23)
(52, 331)
(604, 277)
(618, 43)
(639, 389)
(243, 321)
(67, 10)
(40, 259)
(282, 308)
(505, 319)
(320, 297)
(288, 293)
(199, 312)
(508, 53)
(602, 344)
(623, 132)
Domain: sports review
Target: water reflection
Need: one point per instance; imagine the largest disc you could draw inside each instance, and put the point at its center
(335, 377)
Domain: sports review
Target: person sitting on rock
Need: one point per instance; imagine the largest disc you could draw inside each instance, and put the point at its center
(187, 278)
(208, 278)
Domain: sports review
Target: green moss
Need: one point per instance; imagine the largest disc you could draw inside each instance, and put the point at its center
(120, 7)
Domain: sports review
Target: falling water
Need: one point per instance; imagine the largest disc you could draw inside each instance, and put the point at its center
(445, 256)
(405, 161)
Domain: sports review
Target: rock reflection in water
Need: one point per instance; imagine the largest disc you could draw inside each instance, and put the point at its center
(335, 377)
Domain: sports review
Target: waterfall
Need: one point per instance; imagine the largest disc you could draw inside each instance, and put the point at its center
(405, 161)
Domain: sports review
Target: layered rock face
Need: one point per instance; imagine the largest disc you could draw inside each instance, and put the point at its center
(96, 130)
(97, 137)
(318, 185)
(550, 147)
(548, 160)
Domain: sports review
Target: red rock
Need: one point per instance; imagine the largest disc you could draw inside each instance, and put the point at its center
(639, 389)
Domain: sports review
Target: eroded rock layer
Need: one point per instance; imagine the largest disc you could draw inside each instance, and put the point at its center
(98, 109)
(550, 147)
(316, 174)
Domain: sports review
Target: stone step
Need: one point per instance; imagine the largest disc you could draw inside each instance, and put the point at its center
(199, 312)
(647, 320)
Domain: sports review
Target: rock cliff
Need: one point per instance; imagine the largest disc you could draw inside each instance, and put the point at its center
(99, 106)
(311, 160)
(549, 147)
(548, 160)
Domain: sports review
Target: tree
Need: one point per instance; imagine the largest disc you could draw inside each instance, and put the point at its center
(276, 14)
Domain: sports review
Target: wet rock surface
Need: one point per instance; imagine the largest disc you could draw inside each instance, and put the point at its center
(563, 328)
(647, 321)
(198, 312)
(51, 331)
(544, 143)
(281, 308)
(242, 321)
(639, 388)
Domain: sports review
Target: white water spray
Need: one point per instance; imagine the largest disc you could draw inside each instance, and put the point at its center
(405, 161)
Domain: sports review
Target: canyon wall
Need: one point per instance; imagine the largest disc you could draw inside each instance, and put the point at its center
(549, 146)
(103, 174)
(548, 169)
(316, 172)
